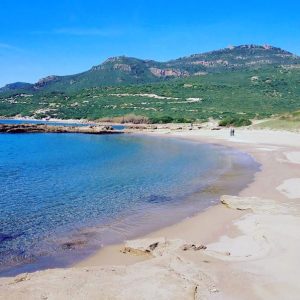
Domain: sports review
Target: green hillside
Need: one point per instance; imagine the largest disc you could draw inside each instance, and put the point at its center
(248, 92)
(287, 121)
(119, 71)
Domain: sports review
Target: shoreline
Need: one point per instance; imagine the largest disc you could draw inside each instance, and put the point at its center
(103, 256)
(45, 128)
(248, 253)
(230, 162)
(51, 120)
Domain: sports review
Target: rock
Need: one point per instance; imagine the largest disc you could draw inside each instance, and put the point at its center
(168, 72)
(216, 128)
(137, 127)
(193, 247)
(153, 246)
(122, 67)
(21, 277)
(73, 245)
(44, 81)
(166, 275)
(43, 128)
(143, 247)
(256, 205)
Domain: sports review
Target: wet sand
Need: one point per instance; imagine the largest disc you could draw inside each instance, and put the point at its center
(245, 248)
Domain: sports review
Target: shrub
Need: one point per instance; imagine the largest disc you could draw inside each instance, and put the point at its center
(161, 120)
(130, 118)
(166, 119)
(295, 116)
(182, 120)
(235, 121)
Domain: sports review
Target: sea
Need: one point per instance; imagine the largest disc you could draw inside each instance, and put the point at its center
(64, 196)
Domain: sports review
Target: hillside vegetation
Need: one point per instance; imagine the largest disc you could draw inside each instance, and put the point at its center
(242, 82)
(289, 121)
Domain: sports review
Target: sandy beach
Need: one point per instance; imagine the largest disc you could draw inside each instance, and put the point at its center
(244, 248)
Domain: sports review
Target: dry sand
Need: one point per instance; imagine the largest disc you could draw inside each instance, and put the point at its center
(252, 241)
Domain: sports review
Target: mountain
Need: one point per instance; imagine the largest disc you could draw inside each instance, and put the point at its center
(236, 57)
(124, 70)
(16, 86)
(247, 81)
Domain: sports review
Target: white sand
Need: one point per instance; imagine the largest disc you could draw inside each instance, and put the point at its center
(290, 188)
(293, 157)
(253, 241)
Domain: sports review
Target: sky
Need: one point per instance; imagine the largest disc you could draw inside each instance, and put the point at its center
(60, 37)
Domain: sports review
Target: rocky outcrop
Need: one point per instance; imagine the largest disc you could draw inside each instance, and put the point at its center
(44, 81)
(168, 72)
(157, 247)
(212, 63)
(42, 128)
(122, 67)
(144, 246)
(167, 275)
(254, 204)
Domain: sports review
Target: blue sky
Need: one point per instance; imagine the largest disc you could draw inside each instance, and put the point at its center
(40, 38)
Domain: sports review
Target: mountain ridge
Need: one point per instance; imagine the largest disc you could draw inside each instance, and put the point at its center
(120, 70)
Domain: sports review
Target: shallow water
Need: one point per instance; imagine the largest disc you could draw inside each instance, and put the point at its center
(72, 193)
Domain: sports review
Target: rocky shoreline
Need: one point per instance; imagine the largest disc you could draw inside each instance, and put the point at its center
(42, 128)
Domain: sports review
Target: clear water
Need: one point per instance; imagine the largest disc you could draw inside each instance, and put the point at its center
(93, 190)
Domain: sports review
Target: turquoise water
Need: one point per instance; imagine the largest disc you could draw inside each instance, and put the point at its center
(73, 193)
